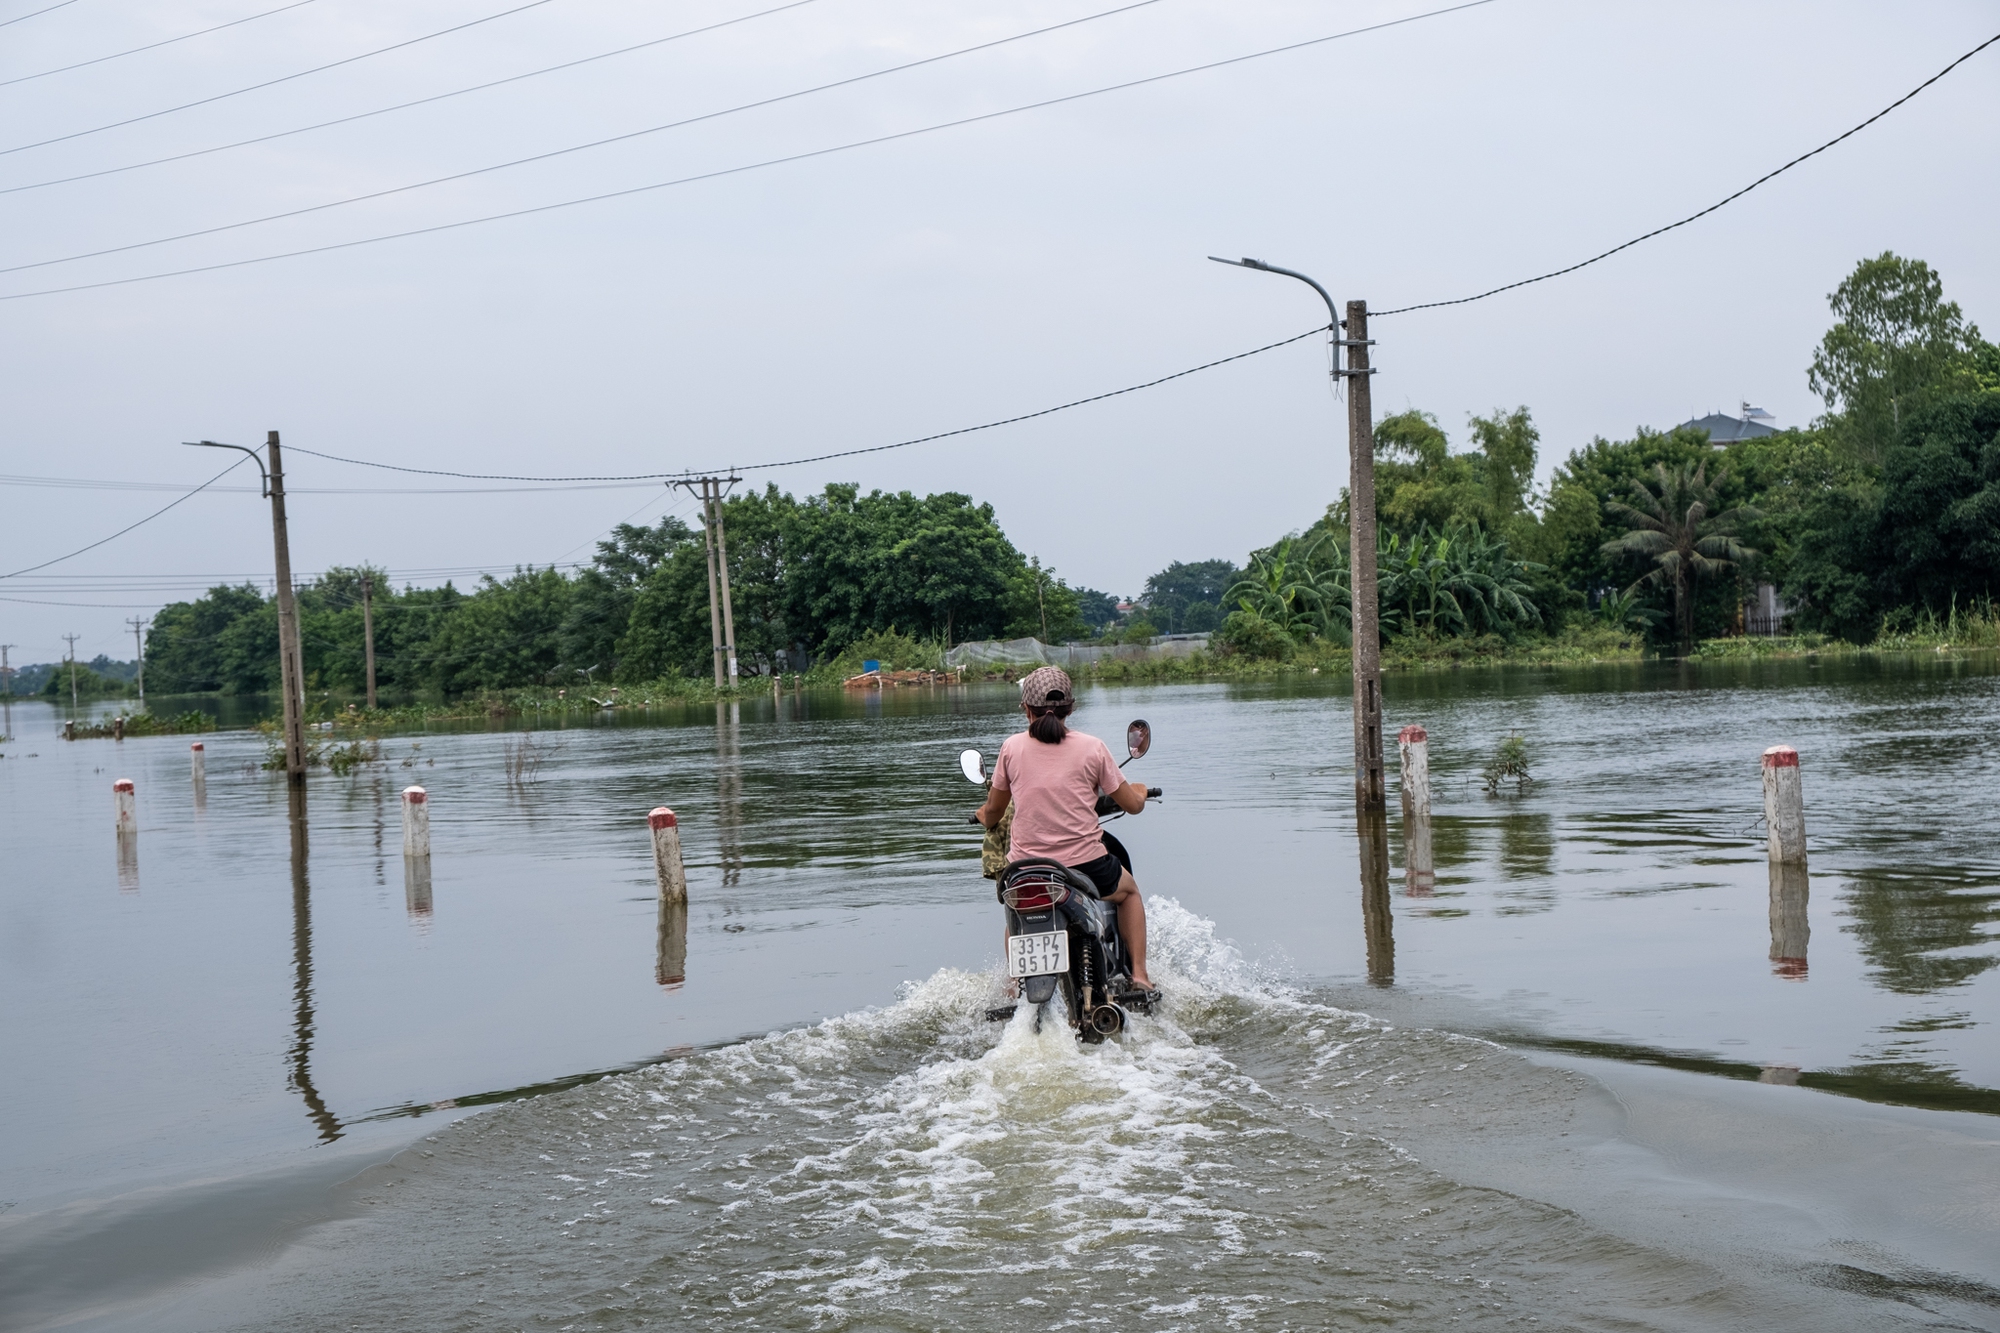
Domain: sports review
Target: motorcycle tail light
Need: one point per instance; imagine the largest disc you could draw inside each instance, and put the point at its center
(1035, 893)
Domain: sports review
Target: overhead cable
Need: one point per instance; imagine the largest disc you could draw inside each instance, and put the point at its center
(708, 175)
(1661, 231)
(402, 106)
(122, 531)
(92, 484)
(272, 83)
(150, 46)
(844, 453)
(582, 147)
(23, 18)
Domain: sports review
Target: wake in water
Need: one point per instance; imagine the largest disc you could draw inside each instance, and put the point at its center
(1230, 1163)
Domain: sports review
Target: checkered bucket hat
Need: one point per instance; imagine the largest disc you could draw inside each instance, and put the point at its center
(1047, 686)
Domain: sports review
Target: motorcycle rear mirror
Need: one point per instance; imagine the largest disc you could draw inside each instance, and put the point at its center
(974, 768)
(1138, 739)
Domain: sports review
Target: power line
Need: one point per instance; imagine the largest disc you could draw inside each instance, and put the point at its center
(1661, 231)
(702, 176)
(844, 453)
(582, 147)
(150, 46)
(405, 106)
(122, 531)
(95, 484)
(271, 83)
(61, 4)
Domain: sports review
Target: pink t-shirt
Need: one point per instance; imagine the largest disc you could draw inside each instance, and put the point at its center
(1054, 789)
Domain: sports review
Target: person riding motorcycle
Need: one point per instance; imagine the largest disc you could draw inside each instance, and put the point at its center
(1053, 776)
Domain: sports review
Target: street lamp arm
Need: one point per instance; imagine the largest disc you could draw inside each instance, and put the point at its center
(1332, 311)
(211, 444)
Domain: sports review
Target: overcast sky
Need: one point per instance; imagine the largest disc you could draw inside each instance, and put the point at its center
(922, 285)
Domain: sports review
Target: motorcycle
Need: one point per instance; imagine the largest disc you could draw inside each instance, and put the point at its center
(1060, 935)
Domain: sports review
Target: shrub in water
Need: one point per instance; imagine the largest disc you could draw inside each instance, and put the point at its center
(1509, 761)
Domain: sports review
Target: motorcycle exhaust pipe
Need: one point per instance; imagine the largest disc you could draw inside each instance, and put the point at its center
(1107, 1020)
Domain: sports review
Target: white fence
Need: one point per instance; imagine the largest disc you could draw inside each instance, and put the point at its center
(1033, 652)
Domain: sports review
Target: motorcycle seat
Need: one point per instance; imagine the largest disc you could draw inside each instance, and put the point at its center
(1043, 865)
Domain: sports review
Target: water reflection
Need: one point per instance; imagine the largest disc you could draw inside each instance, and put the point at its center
(128, 861)
(1527, 846)
(729, 789)
(417, 889)
(1372, 834)
(1419, 858)
(670, 964)
(1790, 931)
(1905, 925)
(381, 868)
(302, 976)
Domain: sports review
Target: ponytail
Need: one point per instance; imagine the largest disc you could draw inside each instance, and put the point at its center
(1046, 724)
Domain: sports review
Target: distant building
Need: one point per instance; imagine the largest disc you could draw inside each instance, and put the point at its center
(1751, 425)
(1765, 613)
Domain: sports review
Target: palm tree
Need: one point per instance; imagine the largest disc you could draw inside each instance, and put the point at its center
(1672, 525)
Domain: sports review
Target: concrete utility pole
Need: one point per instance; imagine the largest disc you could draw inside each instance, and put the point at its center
(291, 677)
(290, 673)
(139, 646)
(1370, 786)
(368, 632)
(721, 616)
(6, 672)
(714, 594)
(70, 657)
(728, 603)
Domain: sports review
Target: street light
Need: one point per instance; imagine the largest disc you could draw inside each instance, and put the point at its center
(291, 679)
(1369, 782)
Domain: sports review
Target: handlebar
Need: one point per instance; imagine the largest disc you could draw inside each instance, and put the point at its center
(1107, 806)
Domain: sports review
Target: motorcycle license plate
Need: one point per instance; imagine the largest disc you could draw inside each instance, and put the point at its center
(1038, 955)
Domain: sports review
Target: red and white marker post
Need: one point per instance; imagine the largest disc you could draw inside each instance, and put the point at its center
(667, 855)
(199, 759)
(126, 797)
(1784, 805)
(416, 823)
(1414, 744)
(1419, 864)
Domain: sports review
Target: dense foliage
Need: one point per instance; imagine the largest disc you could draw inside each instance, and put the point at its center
(1884, 512)
(808, 578)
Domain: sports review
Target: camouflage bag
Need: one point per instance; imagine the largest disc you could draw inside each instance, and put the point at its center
(993, 855)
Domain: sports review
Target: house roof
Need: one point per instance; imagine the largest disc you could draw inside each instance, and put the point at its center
(1725, 429)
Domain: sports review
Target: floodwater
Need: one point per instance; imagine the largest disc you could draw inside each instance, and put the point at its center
(1603, 1072)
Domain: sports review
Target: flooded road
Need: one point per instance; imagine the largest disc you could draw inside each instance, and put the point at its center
(209, 1031)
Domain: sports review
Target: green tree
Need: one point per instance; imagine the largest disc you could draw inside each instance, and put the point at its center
(600, 605)
(1896, 342)
(1678, 526)
(1186, 598)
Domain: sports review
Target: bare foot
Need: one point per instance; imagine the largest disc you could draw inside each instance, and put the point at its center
(1142, 982)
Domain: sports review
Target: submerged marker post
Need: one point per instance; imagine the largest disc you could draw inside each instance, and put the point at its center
(125, 796)
(667, 865)
(416, 823)
(1784, 806)
(1414, 744)
(198, 755)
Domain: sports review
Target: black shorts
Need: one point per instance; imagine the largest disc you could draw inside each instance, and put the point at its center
(1103, 872)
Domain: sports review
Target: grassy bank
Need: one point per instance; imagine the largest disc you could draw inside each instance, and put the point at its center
(1958, 630)
(1577, 646)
